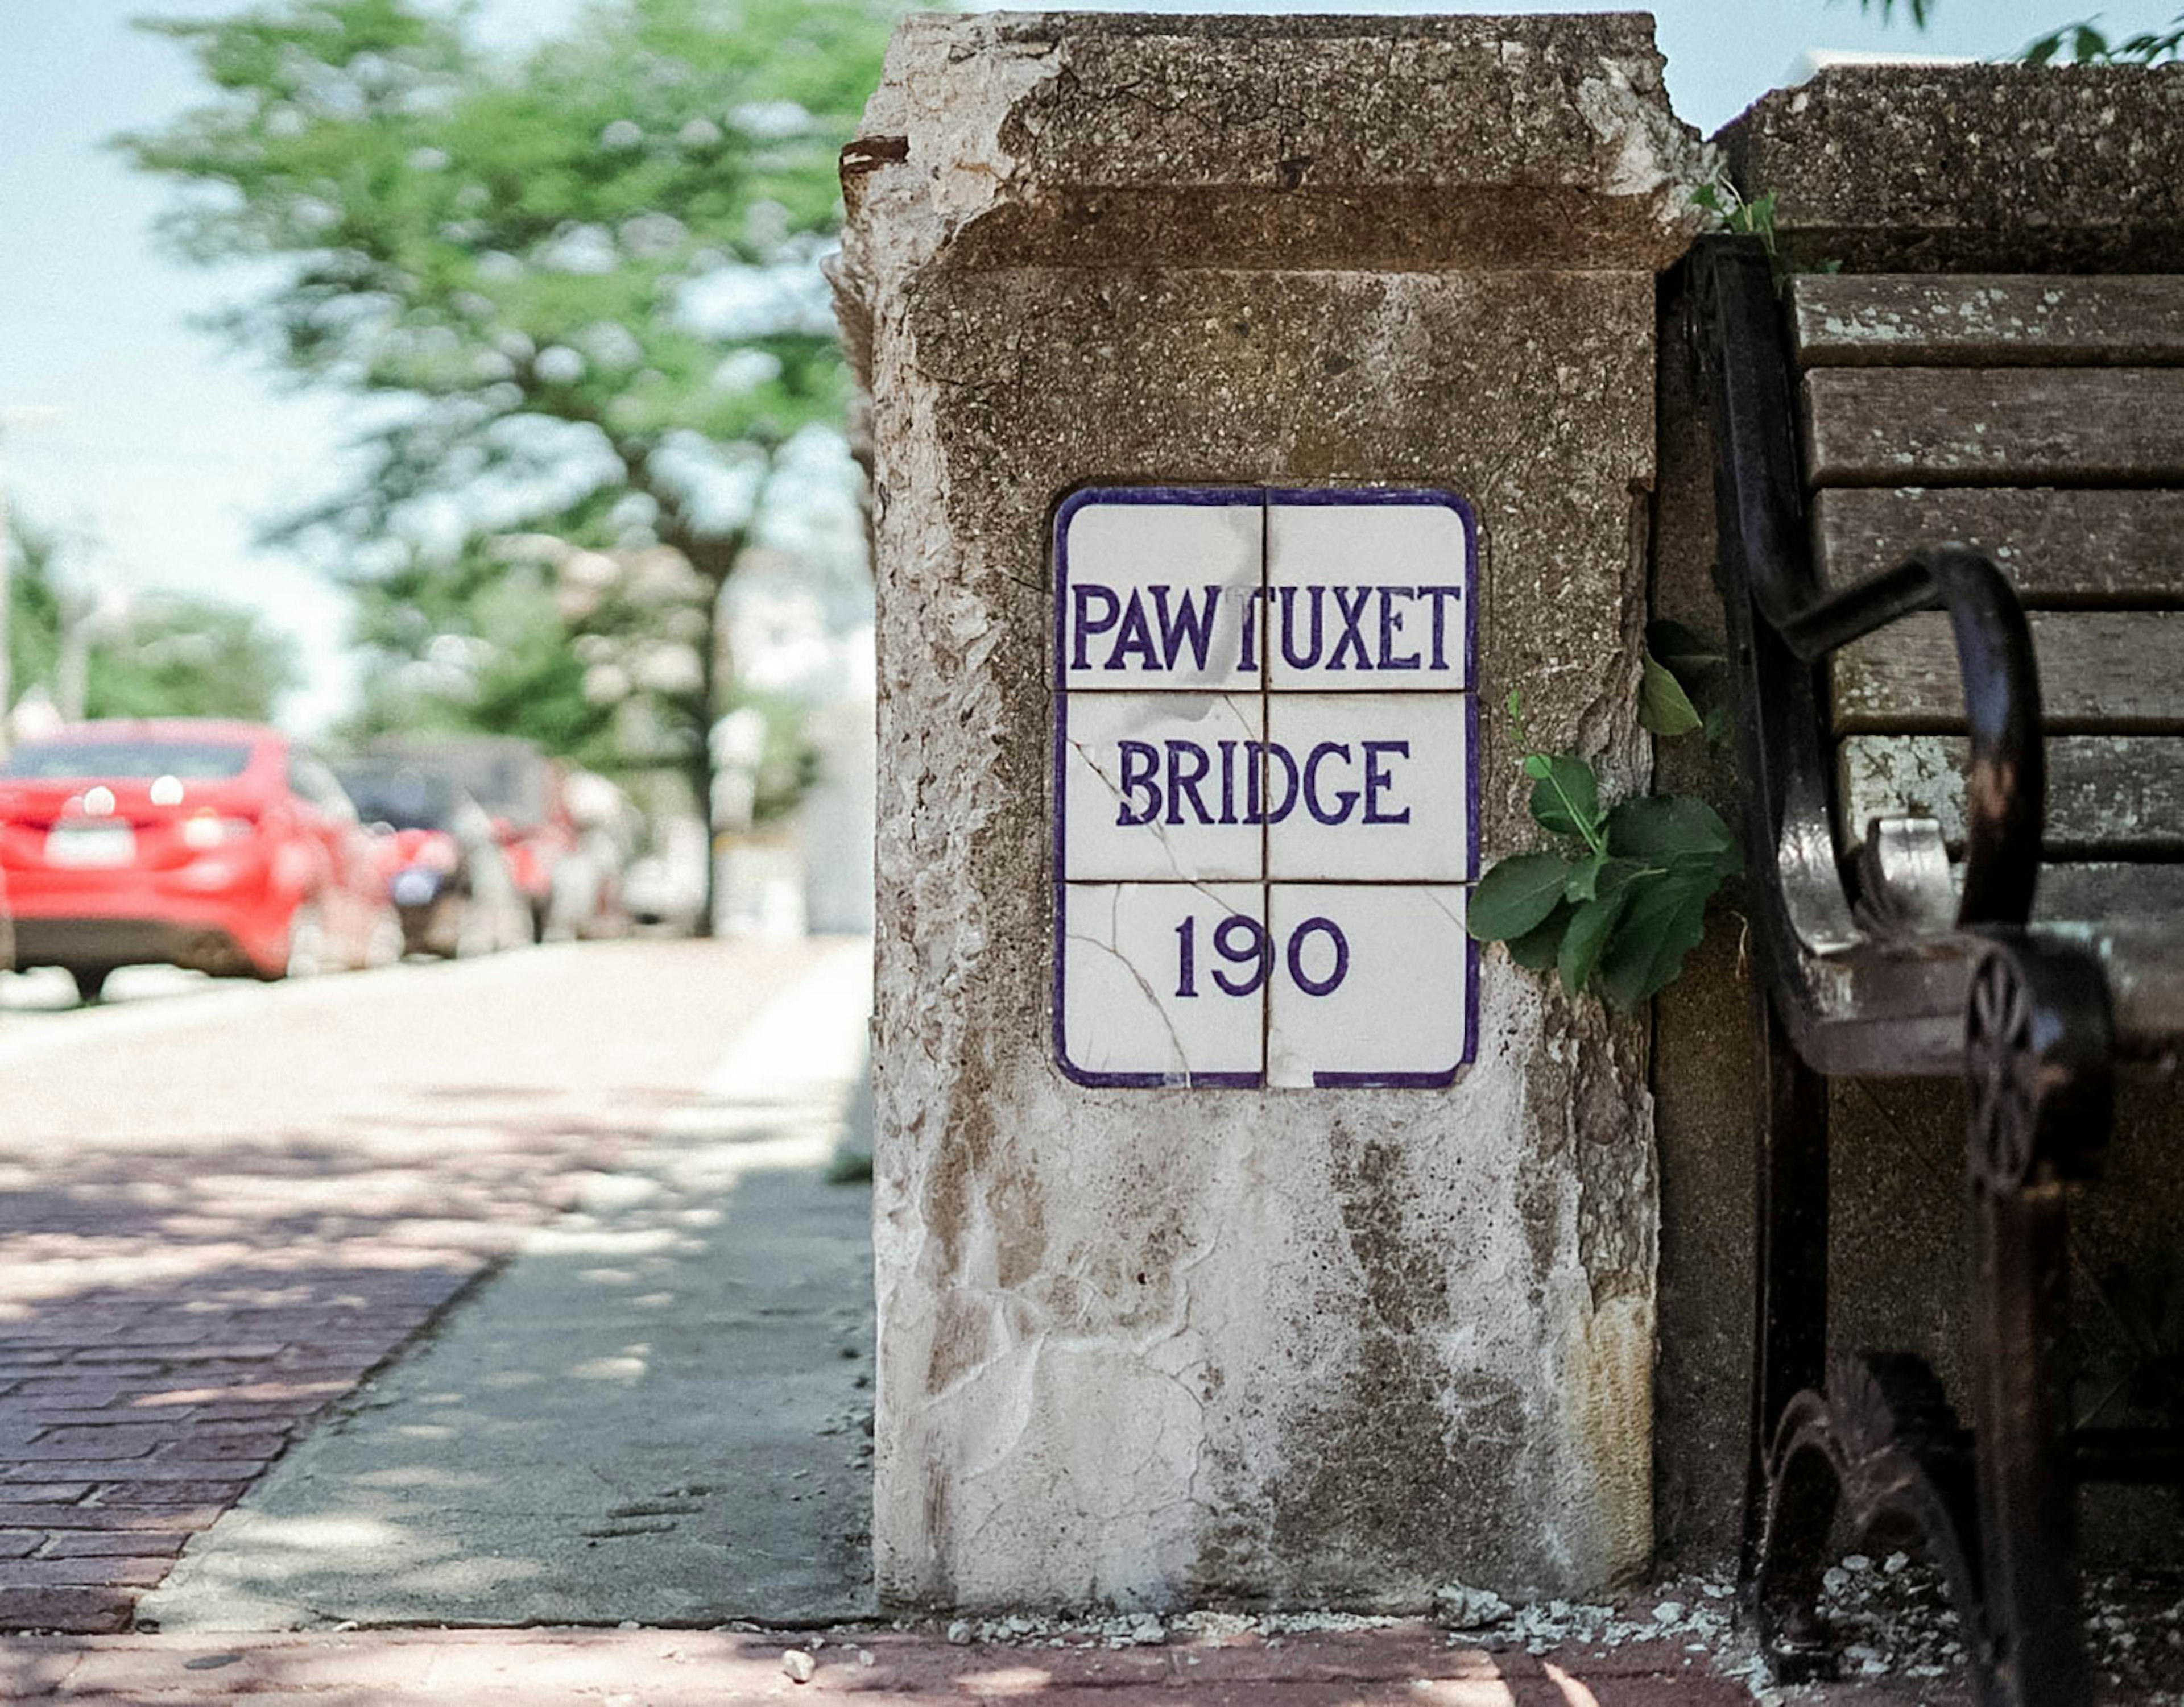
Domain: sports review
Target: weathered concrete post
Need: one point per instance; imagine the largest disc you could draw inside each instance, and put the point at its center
(1240, 1235)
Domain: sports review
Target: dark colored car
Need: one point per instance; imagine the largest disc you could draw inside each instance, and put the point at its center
(438, 859)
(524, 795)
(221, 846)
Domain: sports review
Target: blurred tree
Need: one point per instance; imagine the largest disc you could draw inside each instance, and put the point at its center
(177, 655)
(34, 610)
(160, 654)
(581, 288)
(2082, 42)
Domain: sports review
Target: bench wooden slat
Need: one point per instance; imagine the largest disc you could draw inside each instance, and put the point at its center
(2097, 890)
(1994, 426)
(2100, 671)
(1994, 320)
(2107, 794)
(2060, 546)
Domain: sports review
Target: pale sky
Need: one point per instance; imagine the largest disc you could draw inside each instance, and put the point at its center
(167, 451)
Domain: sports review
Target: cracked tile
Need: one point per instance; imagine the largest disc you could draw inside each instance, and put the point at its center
(1158, 590)
(1159, 786)
(1163, 982)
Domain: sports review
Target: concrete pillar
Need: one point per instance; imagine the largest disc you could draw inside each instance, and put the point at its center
(1287, 1341)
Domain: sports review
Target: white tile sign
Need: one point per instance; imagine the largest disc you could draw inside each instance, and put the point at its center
(1266, 798)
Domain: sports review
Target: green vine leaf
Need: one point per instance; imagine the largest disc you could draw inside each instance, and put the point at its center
(1566, 798)
(1537, 949)
(1517, 896)
(1663, 707)
(1619, 910)
(1590, 928)
(1674, 830)
(1664, 922)
(1700, 666)
(1687, 654)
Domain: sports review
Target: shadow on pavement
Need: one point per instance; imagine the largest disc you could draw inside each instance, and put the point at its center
(659, 1410)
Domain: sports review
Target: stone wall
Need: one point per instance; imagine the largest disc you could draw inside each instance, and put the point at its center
(1331, 1347)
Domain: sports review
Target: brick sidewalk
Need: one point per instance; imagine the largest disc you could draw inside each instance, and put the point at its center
(176, 1301)
(664, 1668)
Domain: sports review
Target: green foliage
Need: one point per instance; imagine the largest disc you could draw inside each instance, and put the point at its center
(1622, 900)
(1754, 217)
(34, 609)
(787, 762)
(2083, 43)
(1919, 10)
(167, 655)
(474, 645)
(1687, 677)
(581, 287)
(182, 656)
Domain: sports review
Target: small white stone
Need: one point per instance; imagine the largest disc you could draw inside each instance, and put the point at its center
(1668, 1612)
(800, 1666)
(959, 1634)
(1465, 1607)
(1895, 1562)
(865, 1657)
(1148, 1633)
(1856, 1561)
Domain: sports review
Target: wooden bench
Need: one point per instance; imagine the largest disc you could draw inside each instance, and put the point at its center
(1950, 517)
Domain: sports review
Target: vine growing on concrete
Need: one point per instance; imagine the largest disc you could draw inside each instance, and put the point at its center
(1619, 898)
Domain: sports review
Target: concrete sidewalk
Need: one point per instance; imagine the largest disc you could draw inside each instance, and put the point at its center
(657, 1410)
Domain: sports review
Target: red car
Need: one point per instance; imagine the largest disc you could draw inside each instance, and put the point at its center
(222, 847)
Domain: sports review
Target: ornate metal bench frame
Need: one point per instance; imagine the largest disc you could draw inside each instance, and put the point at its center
(1904, 977)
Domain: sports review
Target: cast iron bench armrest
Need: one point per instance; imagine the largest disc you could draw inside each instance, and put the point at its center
(2006, 784)
(1853, 1000)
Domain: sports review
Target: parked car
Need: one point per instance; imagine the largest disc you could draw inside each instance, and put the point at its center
(570, 879)
(438, 859)
(221, 846)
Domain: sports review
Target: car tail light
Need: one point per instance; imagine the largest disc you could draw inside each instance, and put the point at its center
(205, 831)
(438, 852)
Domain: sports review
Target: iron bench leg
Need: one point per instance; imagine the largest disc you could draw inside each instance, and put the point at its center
(1780, 1586)
(1995, 1510)
(2038, 1048)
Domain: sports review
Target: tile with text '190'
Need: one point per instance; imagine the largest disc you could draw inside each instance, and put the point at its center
(1368, 595)
(1368, 788)
(1160, 595)
(1163, 983)
(1371, 984)
(1164, 786)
